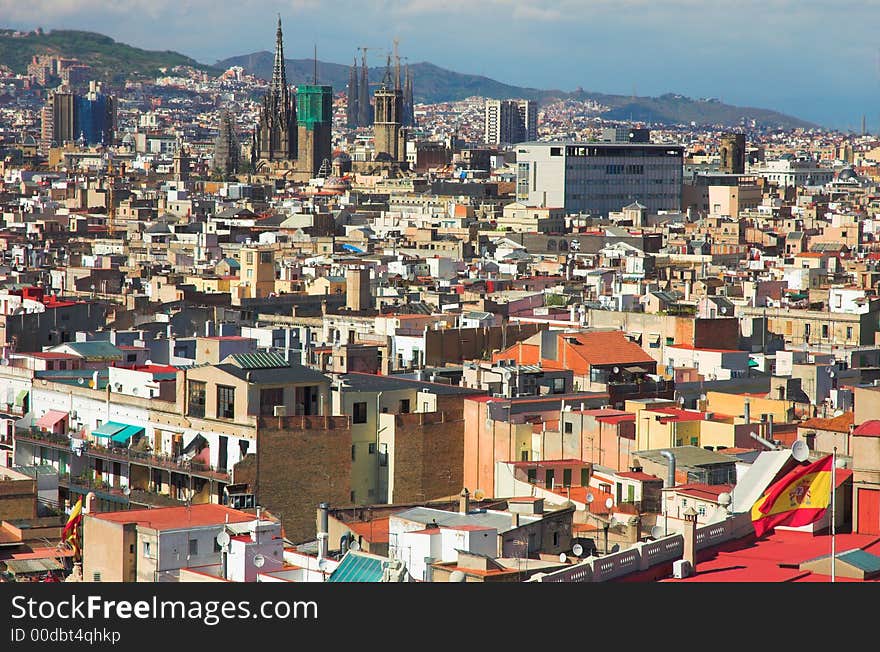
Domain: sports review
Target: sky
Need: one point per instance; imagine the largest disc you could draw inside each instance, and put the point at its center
(817, 60)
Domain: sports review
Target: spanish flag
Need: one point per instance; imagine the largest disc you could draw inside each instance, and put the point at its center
(800, 497)
(71, 528)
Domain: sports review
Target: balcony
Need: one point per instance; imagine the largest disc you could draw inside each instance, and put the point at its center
(127, 455)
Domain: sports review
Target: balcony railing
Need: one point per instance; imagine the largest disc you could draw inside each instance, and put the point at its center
(121, 454)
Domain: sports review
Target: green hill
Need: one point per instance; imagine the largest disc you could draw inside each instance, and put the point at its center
(109, 59)
(434, 84)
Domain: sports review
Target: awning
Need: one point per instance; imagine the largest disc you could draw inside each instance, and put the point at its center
(654, 338)
(19, 398)
(48, 420)
(193, 447)
(753, 363)
(124, 436)
(109, 429)
(636, 370)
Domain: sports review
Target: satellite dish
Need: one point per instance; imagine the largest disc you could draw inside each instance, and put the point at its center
(799, 450)
(81, 381)
(5, 362)
(354, 546)
(617, 370)
(457, 576)
(656, 532)
(577, 550)
(609, 502)
(563, 558)
(479, 494)
(615, 547)
(126, 490)
(259, 560)
(590, 498)
(223, 539)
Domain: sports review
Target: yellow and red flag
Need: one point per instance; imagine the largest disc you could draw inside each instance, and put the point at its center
(71, 528)
(800, 497)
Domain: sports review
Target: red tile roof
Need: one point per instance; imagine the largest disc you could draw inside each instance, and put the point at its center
(375, 531)
(836, 424)
(603, 348)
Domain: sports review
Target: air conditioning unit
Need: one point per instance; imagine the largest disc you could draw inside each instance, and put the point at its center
(280, 410)
(681, 569)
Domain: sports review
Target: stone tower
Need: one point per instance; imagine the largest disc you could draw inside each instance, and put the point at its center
(352, 110)
(365, 111)
(226, 148)
(387, 123)
(732, 150)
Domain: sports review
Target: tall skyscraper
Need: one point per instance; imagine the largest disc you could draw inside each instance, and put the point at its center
(275, 136)
(226, 148)
(365, 111)
(387, 125)
(89, 119)
(511, 121)
(351, 114)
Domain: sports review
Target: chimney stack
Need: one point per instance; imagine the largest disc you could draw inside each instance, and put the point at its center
(323, 534)
(464, 501)
(770, 426)
(690, 538)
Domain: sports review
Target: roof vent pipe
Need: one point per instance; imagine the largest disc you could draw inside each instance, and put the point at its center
(670, 476)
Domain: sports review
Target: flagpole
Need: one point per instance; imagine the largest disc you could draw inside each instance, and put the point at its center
(833, 508)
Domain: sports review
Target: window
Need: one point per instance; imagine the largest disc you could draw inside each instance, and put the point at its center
(196, 406)
(131, 548)
(372, 448)
(585, 477)
(824, 330)
(266, 257)
(404, 406)
(531, 474)
(269, 398)
(556, 538)
(566, 477)
(701, 510)
(568, 427)
(548, 478)
(849, 332)
(684, 502)
(131, 357)
(193, 547)
(359, 413)
(225, 402)
(147, 549)
(352, 452)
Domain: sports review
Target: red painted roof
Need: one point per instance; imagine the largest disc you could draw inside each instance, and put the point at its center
(176, 518)
(676, 414)
(868, 429)
(639, 475)
(50, 355)
(614, 420)
(703, 491)
(773, 558)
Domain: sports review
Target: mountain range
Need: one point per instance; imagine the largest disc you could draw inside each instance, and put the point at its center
(117, 61)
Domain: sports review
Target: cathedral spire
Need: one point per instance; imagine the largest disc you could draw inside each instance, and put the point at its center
(279, 76)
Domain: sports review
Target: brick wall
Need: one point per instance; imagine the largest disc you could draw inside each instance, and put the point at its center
(300, 462)
(429, 451)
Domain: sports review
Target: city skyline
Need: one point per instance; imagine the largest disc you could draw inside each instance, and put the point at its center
(800, 63)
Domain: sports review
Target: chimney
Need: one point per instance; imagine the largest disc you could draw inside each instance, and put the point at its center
(746, 411)
(323, 534)
(464, 501)
(770, 427)
(670, 474)
(89, 501)
(690, 538)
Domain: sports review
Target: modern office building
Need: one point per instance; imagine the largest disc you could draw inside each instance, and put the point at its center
(598, 178)
(511, 121)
